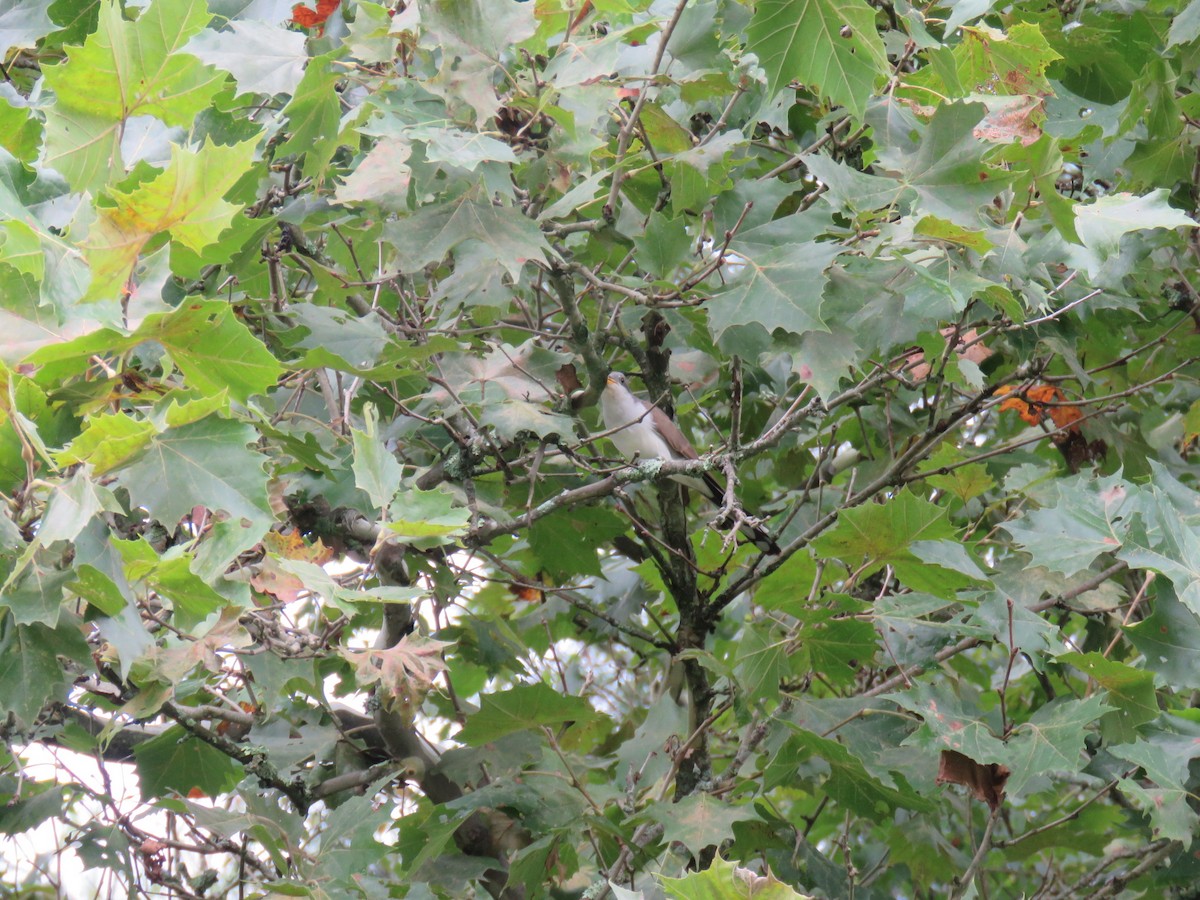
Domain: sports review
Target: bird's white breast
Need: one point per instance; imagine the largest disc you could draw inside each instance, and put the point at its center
(640, 439)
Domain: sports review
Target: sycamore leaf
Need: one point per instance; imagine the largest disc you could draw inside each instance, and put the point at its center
(434, 515)
(30, 673)
(403, 674)
(205, 463)
(700, 820)
(1101, 223)
(124, 69)
(779, 288)
(435, 231)
(22, 23)
(1130, 690)
(375, 469)
(262, 58)
(475, 37)
(947, 169)
(1169, 638)
(185, 199)
(849, 782)
(1185, 27)
(994, 62)
(522, 708)
(313, 115)
(831, 45)
(176, 762)
(380, 177)
(1090, 517)
(874, 534)
(1051, 741)
(723, 880)
(214, 350)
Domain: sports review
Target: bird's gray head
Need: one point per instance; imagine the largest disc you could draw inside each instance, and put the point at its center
(619, 380)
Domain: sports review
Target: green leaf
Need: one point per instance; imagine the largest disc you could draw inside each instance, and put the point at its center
(1051, 741)
(1101, 223)
(191, 598)
(941, 230)
(778, 282)
(176, 762)
(848, 782)
(839, 647)
(262, 58)
(427, 514)
(107, 442)
(427, 237)
(1165, 764)
(874, 534)
(184, 199)
(1163, 542)
(1169, 639)
(475, 37)
(522, 708)
(760, 663)
(831, 45)
(569, 542)
(313, 116)
(206, 463)
(990, 61)
(947, 169)
(124, 69)
(30, 672)
(850, 190)
(1185, 27)
(465, 149)
(664, 246)
(99, 590)
(349, 846)
(1130, 690)
(20, 131)
(699, 821)
(343, 341)
(375, 469)
(23, 23)
(950, 723)
(1089, 518)
(371, 40)
(725, 881)
(214, 350)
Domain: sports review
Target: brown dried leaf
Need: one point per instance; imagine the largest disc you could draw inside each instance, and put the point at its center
(986, 782)
(1012, 119)
(568, 379)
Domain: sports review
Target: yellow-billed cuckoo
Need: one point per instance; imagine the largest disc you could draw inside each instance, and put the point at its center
(643, 431)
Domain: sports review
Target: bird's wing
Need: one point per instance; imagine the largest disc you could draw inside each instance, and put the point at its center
(670, 433)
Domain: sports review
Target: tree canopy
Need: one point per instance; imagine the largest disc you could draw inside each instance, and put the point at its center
(310, 520)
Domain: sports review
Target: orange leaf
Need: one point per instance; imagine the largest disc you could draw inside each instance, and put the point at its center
(308, 18)
(1032, 406)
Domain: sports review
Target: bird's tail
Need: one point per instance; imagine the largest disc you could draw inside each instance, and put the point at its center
(760, 538)
(755, 534)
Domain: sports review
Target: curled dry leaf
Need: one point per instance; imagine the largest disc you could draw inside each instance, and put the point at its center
(1033, 405)
(1045, 404)
(986, 782)
(314, 18)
